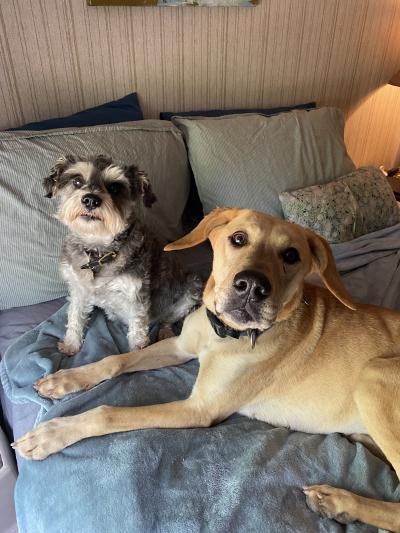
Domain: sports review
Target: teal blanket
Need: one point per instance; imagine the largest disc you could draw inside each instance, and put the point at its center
(240, 476)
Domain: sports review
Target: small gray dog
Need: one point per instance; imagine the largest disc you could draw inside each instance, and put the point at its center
(110, 260)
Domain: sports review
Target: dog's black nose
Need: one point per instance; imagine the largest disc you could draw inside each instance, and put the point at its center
(91, 201)
(252, 284)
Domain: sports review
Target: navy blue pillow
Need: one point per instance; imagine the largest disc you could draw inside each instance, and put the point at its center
(123, 110)
(221, 112)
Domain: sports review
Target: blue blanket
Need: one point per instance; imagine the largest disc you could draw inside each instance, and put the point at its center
(242, 475)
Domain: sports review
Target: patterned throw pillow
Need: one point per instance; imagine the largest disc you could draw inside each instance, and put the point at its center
(356, 204)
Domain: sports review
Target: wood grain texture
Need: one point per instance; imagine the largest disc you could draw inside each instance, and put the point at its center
(60, 56)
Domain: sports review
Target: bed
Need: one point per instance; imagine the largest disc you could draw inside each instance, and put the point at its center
(241, 475)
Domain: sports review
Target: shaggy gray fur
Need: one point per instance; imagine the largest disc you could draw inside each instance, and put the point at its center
(141, 283)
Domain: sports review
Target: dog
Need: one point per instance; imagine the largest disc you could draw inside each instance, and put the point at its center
(110, 259)
(270, 346)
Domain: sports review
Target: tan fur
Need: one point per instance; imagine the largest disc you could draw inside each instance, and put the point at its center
(322, 365)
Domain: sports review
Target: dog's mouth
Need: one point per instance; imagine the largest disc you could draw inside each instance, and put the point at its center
(89, 217)
(247, 317)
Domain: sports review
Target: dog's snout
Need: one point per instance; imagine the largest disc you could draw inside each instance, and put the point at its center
(91, 201)
(252, 284)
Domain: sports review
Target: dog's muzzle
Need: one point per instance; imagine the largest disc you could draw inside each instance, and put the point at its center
(249, 293)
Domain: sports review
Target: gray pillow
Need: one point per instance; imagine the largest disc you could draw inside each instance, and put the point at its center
(247, 160)
(356, 204)
(31, 238)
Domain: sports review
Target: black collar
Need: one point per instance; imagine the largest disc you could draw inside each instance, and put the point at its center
(97, 260)
(222, 330)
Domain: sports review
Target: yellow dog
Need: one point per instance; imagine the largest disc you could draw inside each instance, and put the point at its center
(270, 347)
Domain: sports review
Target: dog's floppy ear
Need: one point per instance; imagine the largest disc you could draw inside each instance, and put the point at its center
(218, 217)
(140, 185)
(145, 189)
(102, 161)
(50, 182)
(324, 264)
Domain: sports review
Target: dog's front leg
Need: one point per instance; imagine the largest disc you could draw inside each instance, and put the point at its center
(55, 435)
(78, 312)
(161, 354)
(138, 326)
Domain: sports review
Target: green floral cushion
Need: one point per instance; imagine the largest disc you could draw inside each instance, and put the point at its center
(356, 204)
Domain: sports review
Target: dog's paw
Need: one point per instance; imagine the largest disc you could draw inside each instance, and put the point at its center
(48, 438)
(137, 343)
(68, 348)
(56, 386)
(330, 502)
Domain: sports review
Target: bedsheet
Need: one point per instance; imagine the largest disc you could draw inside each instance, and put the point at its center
(241, 475)
(370, 267)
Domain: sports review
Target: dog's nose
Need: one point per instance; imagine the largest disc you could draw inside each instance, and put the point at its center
(91, 201)
(252, 284)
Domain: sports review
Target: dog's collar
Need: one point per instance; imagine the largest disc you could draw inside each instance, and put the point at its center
(222, 330)
(96, 261)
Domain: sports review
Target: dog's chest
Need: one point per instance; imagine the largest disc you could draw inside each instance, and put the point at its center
(115, 294)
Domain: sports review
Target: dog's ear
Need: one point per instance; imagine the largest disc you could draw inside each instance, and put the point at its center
(140, 185)
(148, 197)
(323, 263)
(101, 161)
(218, 217)
(50, 182)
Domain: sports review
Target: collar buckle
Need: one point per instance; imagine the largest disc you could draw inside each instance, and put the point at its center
(109, 256)
(96, 261)
(222, 330)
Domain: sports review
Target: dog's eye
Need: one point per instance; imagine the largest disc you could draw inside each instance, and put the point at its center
(239, 238)
(77, 182)
(114, 188)
(291, 256)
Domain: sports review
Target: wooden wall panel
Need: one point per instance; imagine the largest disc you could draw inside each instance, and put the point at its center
(60, 56)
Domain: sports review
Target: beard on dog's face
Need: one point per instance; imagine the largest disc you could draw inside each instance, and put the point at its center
(97, 198)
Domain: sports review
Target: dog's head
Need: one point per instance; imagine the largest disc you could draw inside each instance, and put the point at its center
(260, 263)
(97, 197)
